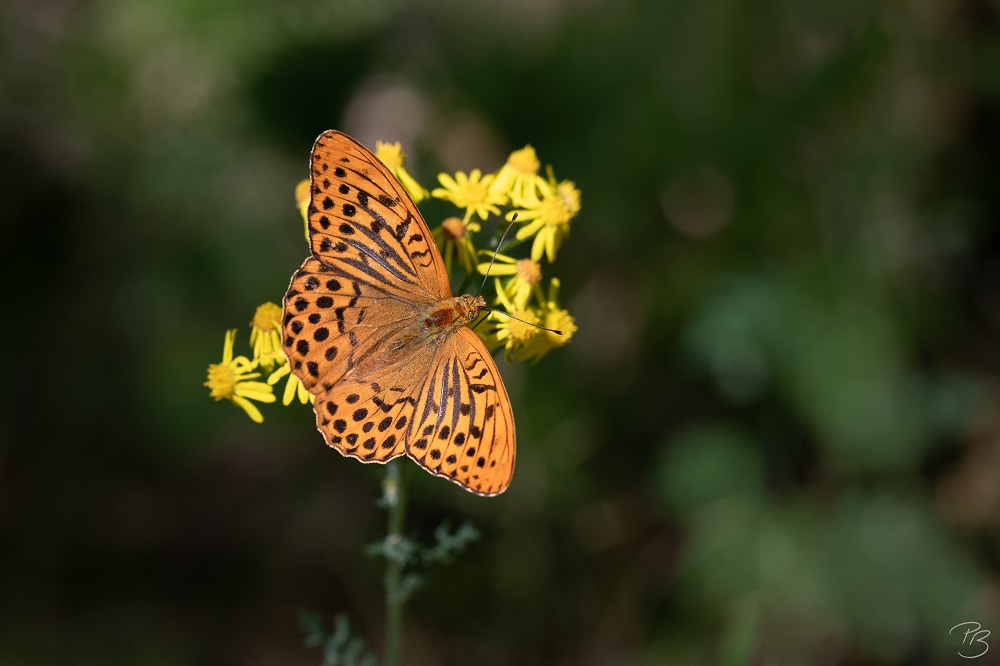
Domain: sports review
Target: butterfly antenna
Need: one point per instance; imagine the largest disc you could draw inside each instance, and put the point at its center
(544, 328)
(487, 276)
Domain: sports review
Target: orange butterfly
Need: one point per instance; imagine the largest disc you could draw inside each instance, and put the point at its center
(371, 328)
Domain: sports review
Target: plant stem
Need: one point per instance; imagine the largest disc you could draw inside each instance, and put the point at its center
(395, 500)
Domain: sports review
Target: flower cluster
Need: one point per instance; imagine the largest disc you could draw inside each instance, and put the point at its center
(542, 209)
(234, 377)
(524, 318)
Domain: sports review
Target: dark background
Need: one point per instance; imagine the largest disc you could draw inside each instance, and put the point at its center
(774, 438)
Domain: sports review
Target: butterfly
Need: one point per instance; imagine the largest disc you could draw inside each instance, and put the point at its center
(370, 327)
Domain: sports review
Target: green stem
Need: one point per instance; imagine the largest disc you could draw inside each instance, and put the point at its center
(395, 499)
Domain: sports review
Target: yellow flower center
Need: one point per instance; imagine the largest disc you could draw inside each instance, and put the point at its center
(519, 331)
(454, 227)
(524, 160)
(570, 195)
(390, 154)
(221, 380)
(554, 211)
(561, 321)
(529, 271)
(266, 317)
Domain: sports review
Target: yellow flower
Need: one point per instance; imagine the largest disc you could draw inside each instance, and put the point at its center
(391, 155)
(548, 216)
(556, 318)
(453, 238)
(519, 178)
(527, 275)
(471, 192)
(302, 203)
(293, 387)
(570, 196)
(265, 336)
(521, 340)
(513, 335)
(231, 380)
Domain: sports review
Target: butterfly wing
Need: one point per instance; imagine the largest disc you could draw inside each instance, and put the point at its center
(445, 407)
(374, 266)
(462, 425)
(363, 222)
(334, 323)
(369, 415)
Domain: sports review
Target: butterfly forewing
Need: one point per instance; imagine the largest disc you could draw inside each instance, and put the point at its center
(387, 383)
(361, 217)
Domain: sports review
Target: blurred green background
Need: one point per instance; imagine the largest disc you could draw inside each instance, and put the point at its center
(774, 438)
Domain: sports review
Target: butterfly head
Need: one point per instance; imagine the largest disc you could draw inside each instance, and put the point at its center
(469, 307)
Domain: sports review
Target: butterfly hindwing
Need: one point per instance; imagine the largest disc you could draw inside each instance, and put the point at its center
(364, 419)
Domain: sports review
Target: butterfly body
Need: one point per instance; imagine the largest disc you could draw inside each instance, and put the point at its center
(453, 313)
(438, 322)
(371, 328)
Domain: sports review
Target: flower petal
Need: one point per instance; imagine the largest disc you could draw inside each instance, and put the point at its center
(286, 398)
(249, 408)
